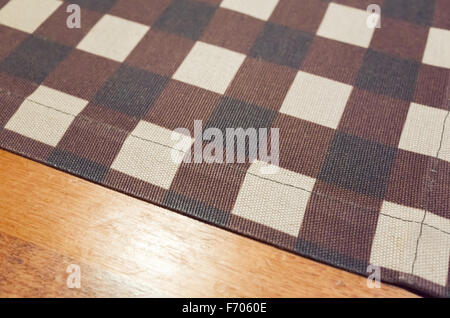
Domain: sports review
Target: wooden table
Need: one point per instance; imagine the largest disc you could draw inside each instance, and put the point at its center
(127, 247)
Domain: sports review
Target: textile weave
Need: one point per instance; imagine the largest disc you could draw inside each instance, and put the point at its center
(362, 113)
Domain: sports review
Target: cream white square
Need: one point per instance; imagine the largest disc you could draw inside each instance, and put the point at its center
(45, 115)
(58, 100)
(422, 130)
(277, 200)
(147, 154)
(113, 37)
(346, 24)
(209, 67)
(27, 15)
(260, 9)
(394, 244)
(316, 99)
(433, 252)
(437, 50)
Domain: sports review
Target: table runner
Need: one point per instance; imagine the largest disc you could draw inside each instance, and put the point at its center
(347, 101)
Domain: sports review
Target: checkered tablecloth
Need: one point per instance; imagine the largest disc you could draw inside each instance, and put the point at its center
(362, 112)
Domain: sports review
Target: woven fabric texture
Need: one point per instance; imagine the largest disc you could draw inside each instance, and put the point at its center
(362, 113)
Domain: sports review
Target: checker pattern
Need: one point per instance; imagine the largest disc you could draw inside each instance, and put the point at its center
(364, 174)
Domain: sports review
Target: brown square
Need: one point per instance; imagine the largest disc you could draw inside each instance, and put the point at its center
(408, 181)
(10, 104)
(400, 38)
(16, 86)
(334, 192)
(9, 40)
(360, 4)
(261, 83)
(301, 15)
(93, 140)
(375, 117)
(213, 184)
(55, 27)
(135, 187)
(24, 146)
(340, 225)
(303, 144)
(81, 74)
(180, 104)
(109, 117)
(262, 232)
(160, 52)
(334, 60)
(431, 86)
(232, 30)
(441, 17)
(142, 11)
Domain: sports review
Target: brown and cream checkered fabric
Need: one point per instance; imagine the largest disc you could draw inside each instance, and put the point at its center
(363, 116)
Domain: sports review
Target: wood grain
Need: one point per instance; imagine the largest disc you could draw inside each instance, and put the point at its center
(127, 247)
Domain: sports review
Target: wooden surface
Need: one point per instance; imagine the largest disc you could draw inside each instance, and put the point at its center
(127, 247)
